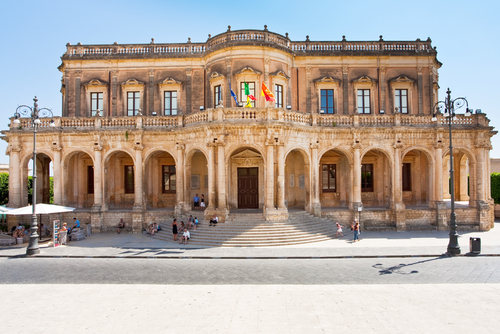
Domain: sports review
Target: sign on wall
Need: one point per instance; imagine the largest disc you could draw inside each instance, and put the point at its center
(195, 182)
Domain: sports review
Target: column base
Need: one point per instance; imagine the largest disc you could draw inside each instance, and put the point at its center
(441, 216)
(96, 221)
(484, 213)
(316, 209)
(276, 215)
(400, 216)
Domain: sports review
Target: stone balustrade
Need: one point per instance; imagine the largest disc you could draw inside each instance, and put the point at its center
(247, 37)
(235, 115)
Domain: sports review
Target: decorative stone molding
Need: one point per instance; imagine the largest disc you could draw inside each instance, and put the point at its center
(97, 146)
(357, 146)
(398, 145)
(151, 72)
(440, 145)
(13, 148)
(95, 83)
(56, 147)
(364, 79)
(280, 74)
(345, 69)
(248, 70)
(314, 146)
(181, 146)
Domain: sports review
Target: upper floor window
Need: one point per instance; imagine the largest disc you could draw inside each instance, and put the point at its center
(367, 178)
(217, 95)
(170, 103)
(364, 101)
(278, 94)
(243, 93)
(168, 179)
(129, 179)
(133, 103)
(96, 103)
(327, 101)
(329, 178)
(406, 176)
(401, 100)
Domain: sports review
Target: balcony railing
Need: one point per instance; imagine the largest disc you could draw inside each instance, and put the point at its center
(247, 37)
(251, 115)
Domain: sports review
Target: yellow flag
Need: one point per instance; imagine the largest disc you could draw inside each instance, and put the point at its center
(248, 105)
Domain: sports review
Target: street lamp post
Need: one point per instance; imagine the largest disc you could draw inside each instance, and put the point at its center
(448, 107)
(34, 113)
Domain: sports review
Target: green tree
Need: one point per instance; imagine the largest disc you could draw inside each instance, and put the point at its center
(495, 187)
(4, 188)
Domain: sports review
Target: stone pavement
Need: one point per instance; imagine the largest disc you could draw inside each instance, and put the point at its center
(240, 309)
(373, 244)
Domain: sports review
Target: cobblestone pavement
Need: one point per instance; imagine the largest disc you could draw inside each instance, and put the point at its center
(312, 271)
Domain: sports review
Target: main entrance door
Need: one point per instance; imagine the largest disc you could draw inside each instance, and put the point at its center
(248, 188)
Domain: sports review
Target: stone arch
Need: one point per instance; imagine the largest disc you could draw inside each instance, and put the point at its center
(77, 178)
(335, 168)
(44, 159)
(241, 159)
(377, 186)
(119, 179)
(465, 175)
(298, 189)
(196, 174)
(346, 151)
(160, 184)
(417, 176)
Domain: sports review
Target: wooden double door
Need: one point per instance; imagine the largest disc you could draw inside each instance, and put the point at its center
(248, 188)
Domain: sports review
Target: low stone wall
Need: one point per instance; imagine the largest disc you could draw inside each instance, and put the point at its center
(421, 219)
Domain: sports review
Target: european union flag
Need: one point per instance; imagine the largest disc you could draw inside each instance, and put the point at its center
(233, 95)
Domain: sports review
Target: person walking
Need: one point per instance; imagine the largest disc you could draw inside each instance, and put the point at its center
(339, 230)
(355, 228)
(174, 229)
(196, 222)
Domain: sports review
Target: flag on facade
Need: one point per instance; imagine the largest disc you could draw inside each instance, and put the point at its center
(267, 94)
(247, 89)
(252, 97)
(249, 104)
(233, 95)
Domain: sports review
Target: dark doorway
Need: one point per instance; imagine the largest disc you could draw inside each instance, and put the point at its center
(248, 188)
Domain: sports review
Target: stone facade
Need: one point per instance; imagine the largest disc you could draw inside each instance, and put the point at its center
(144, 129)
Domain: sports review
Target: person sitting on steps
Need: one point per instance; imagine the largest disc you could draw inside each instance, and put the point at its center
(214, 220)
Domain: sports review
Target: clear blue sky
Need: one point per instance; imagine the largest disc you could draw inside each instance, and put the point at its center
(33, 36)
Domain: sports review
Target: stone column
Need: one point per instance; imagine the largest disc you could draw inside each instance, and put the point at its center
(281, 177)
(345, 90)
(420, 87)
(98, 191)
(416, 180)
(221, 177)
(441, 210)
(480, 170)
(57, 175)
(14, 176)
(180, 184)
(356, 191)
(316, 204)
(270, 176)
(463, 180)
(138, 177)
(211, 177)
(397, 203)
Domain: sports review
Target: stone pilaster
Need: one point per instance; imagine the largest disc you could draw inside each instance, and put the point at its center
(211, 176)
(222, 211)
(229, 76)
(114, 93)
(420, 87)
(138, 186)
(267, 62)
(383, 85)
(281, 176)
(270, 175)
(345, 90)
(356, 189)
(78, 94)
(151, 91)
(308, 90)
(189, 73)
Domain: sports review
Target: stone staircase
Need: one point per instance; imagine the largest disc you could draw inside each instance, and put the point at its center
(251, 230)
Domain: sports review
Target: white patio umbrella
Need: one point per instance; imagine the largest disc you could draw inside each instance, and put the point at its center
(40, 209)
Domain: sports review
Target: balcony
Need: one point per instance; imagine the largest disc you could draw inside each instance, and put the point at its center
(254, 116)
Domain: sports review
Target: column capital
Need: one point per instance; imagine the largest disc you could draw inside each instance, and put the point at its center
(138, 147)
(345, 69)
(398, 145)
(483, 145)
(97, 147)
(357, 146)
(180, 146)
(56, 147)
(151, 72)
(314, 146)
(211, 144)
(439, 145)
(13, 148)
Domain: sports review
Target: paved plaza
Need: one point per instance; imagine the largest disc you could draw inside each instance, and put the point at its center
(389, 282)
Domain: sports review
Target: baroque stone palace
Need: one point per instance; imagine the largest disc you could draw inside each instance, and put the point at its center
(146, 127)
